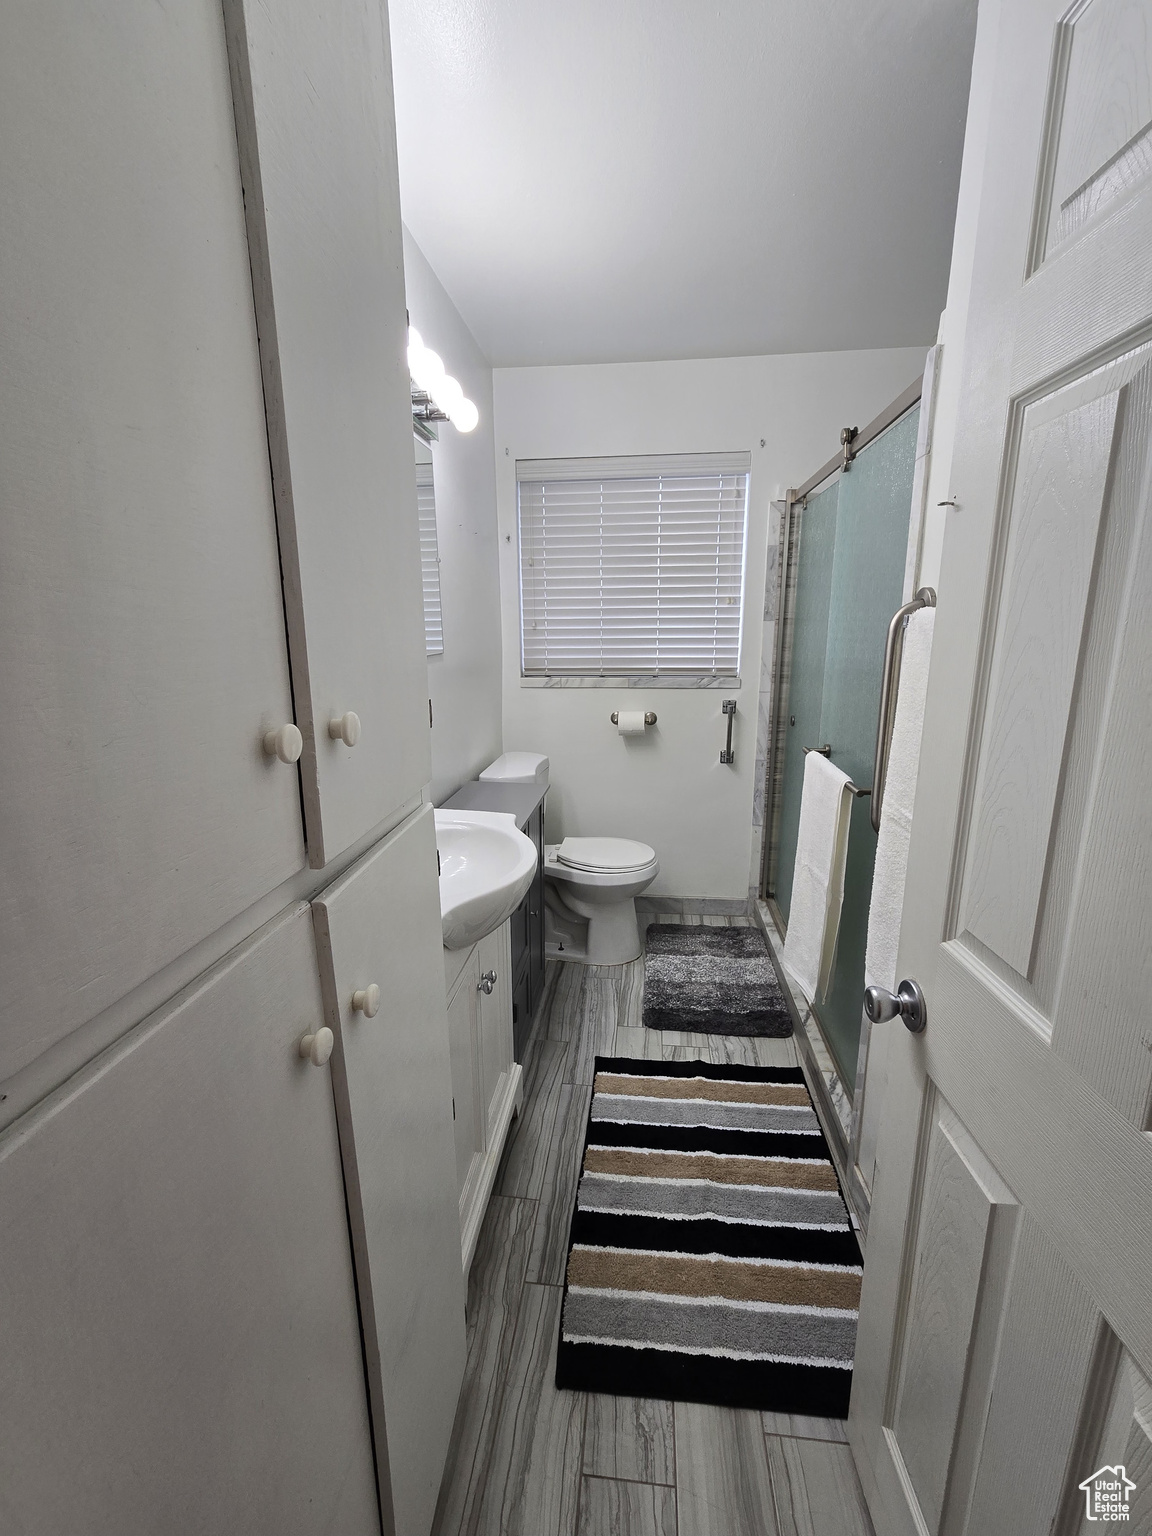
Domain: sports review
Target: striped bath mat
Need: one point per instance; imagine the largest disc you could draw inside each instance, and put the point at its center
(711, 1257)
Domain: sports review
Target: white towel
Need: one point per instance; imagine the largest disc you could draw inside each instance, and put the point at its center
(896, 807)
(818, 878)
(891, 868)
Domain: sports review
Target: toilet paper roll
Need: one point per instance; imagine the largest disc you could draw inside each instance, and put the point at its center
(630, 722)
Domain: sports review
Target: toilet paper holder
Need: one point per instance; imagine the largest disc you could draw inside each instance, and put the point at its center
(649, 717)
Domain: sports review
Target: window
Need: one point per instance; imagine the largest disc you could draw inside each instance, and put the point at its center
(632, 567)
(429, 555)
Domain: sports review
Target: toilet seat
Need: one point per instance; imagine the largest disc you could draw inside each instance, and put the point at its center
(605, 855)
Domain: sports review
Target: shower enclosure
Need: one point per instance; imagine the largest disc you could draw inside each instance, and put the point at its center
(845, 550)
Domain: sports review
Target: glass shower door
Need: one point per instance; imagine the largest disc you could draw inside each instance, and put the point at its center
(850, 580)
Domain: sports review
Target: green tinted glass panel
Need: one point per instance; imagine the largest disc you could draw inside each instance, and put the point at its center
(815, 552)
(849, 583)
(867, 588)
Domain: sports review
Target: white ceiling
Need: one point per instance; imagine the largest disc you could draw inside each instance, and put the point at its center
(606, 180)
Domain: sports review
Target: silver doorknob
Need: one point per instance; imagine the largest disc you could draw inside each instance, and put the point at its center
(907, 1002)
(487, 982)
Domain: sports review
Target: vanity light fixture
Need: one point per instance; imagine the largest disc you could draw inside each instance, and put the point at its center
(436, 395)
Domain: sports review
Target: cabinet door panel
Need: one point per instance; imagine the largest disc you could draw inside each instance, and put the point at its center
(381, 924)
(141, 613)
(495, 1022)
(181, 1350)
(315, 123)
(465, 1071)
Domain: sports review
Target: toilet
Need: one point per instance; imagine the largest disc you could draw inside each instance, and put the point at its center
(591, 883)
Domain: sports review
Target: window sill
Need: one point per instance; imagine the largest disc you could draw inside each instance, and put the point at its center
(703, 680)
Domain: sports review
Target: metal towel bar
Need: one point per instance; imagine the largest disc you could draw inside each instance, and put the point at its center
(889, 687)
(826, 751)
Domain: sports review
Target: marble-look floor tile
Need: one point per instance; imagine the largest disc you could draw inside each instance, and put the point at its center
(596, 1030)
(629, 1437)
(799, 1427)
(722, 1483)
(531, 1481)
(563, 1021)
(644, 1044)
(494, 1288)
(549, 1254)
(684, 1053)
(610, 1508)
(539, 1026)
(816, 1490)
(700, 1042)
(630, 996)
(521, 1171)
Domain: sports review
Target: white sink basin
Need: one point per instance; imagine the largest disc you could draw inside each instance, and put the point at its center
(486, 865)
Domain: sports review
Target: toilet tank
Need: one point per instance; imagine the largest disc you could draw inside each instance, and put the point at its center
(517, 768)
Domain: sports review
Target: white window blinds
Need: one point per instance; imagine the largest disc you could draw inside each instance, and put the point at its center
(632, 567)
(429, 561)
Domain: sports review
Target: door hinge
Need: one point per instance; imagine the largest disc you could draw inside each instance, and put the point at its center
(453, 1109)
(429, 714)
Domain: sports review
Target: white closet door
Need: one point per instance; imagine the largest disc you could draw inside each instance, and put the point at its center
(141, 616)
(180, 1350)
(380, 926)
(314, 114)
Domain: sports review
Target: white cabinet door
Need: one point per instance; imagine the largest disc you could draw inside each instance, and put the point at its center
(495, 952)
(467, 1122)
(141, 614)
(180, 1350)
(314, 114)
(380, 926)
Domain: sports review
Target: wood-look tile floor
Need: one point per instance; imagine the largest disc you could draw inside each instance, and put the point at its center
(529, 1460)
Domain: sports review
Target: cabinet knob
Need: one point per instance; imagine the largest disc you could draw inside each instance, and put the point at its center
(285, 743)
(487, 982)
(366, 1000)
(318, 1047)
(346, 728)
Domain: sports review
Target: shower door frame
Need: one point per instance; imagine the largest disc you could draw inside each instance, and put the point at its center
(920, 390)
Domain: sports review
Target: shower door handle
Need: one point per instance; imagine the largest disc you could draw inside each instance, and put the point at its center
(889, 686)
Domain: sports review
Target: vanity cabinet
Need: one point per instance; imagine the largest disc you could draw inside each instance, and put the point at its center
(486, 1078)
(526, 803)
(181, 1349)
(378, 939)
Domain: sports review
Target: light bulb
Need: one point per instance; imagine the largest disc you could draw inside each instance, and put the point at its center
(465, 416)
(449, 395)
(415, 351)
(432, 368)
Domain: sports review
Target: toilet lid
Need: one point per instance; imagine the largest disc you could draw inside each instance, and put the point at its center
(605, 853)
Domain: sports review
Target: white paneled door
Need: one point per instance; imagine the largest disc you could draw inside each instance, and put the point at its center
(317, 136)
(141, 614)
(382, 967)
(180, 1348)
(1005, 1343)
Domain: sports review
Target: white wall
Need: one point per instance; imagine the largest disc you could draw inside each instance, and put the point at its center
(465, 682)
(954, 320)
(669, 788)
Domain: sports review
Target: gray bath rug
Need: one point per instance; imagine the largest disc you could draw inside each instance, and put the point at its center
(716, 981)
